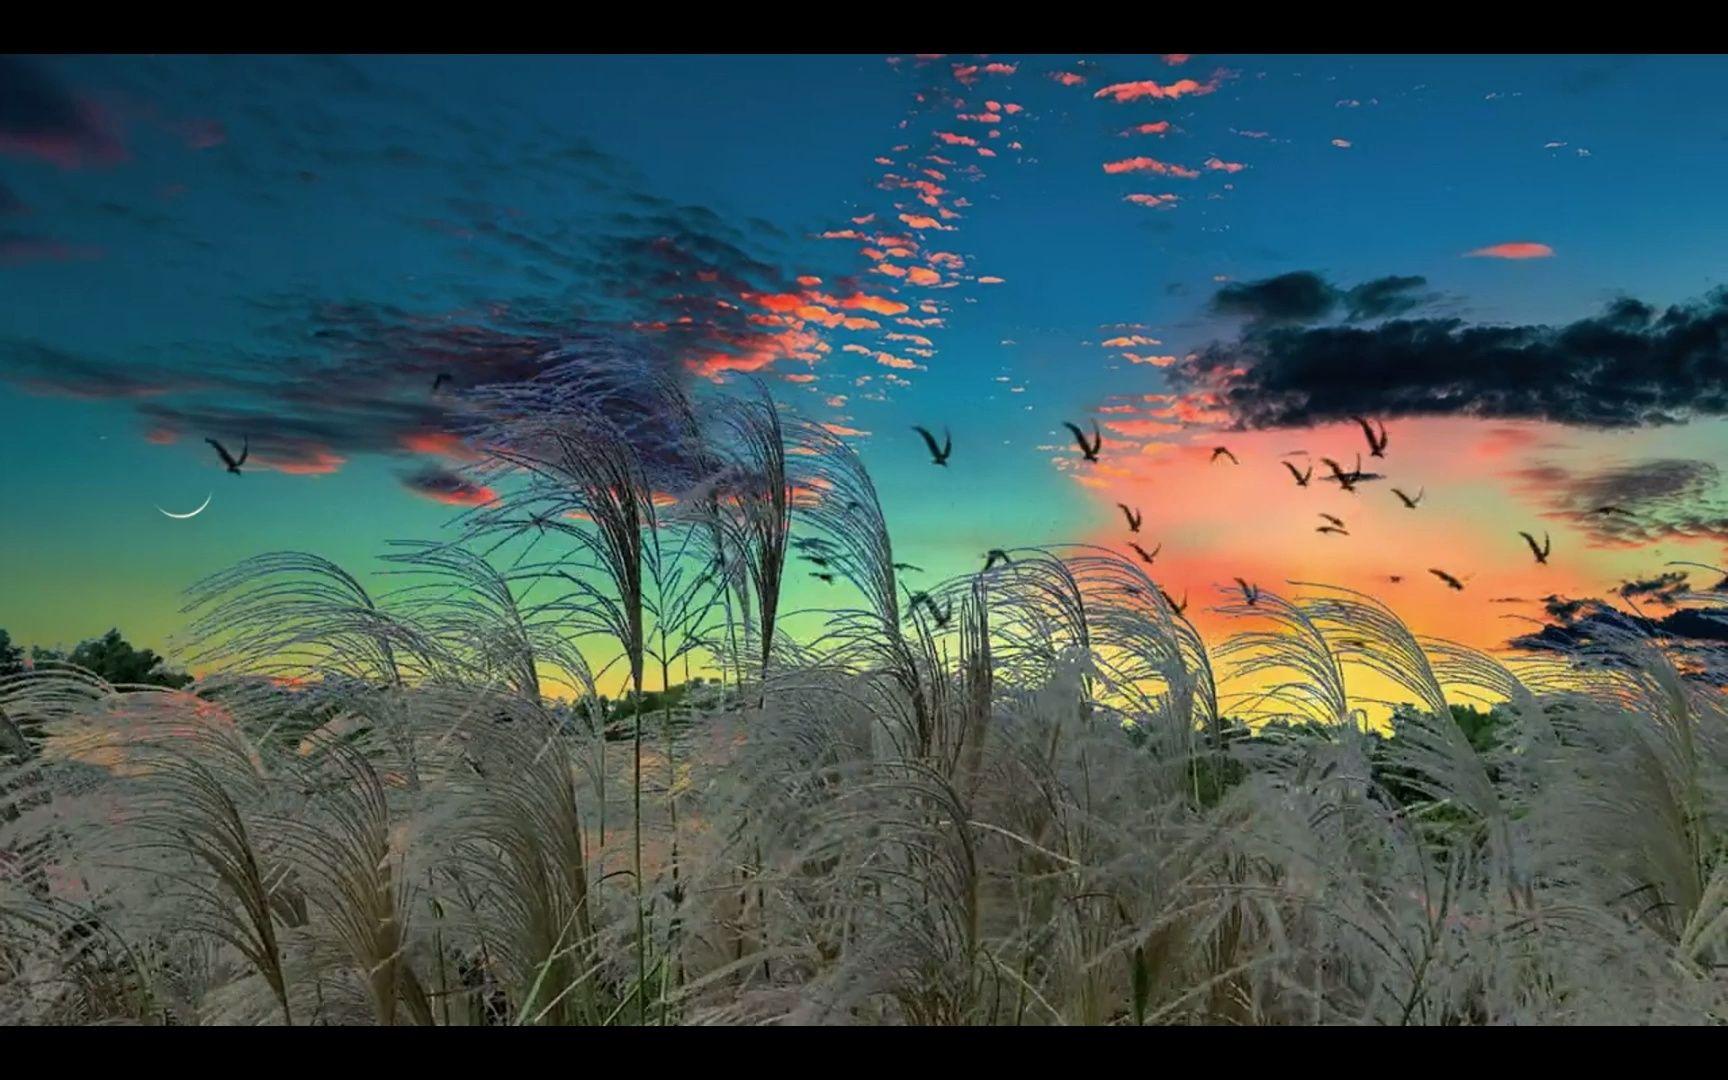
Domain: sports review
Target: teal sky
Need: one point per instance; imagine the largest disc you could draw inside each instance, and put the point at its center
(286, 248)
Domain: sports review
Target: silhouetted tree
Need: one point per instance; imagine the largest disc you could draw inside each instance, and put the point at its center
(114, 659)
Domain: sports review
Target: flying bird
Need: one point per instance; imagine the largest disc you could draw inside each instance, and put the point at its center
(228, 459)
(1448, 579)
(1338, 521)
(908, 566)
(940, 454)
(1302, 478)
(443, 377)
(1250, 593)
(825, 578)
(1146, 556)
(1376, 446)
(1395, 578)
(1223, 451)
(993, 556)
(1541, 552)
(1409, 503)
(1090, 449)
(1174, 606)
(941, 617)
(1346, 479)
(1332, 529)
(1610, 510)
(1133, 517)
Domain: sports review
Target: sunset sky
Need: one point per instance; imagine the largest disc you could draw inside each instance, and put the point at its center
(1513, 262)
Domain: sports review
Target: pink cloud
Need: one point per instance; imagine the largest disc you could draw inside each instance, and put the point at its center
(988, 280)
(162, 436)
(1150, 200)
(202, 134)
(1177, 58)
(1139, 428)
(1157, 127)
(921, 275)
(1068, 78)
(1150, 88)
(1515, 250)
(17, 250)
(890, 360)
(985, 151)
(1219, 165)
(91, 141)
(1342, 144)
(923, 222)
(1155, 361)
(956, 140)
(799, 377)
(1151, 165)
(1129, 341)
(310, 461)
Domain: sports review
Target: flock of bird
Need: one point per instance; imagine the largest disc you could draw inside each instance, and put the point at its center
(1090, 446)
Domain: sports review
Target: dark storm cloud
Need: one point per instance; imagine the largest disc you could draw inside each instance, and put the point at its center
(1698, 637)
(1630, 365)
(445, 486)
(1638, 504)
(1305, 297)
(1663, 588)
(40, 118)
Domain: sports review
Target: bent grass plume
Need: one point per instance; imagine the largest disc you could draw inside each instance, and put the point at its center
(1054, 804)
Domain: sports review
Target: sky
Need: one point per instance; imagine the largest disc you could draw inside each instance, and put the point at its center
(1512, 263)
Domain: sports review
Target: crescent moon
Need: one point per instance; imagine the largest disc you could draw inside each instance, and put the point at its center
(193, 514)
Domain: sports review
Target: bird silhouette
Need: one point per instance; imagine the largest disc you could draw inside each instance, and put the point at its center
(939, 454)
(229, 459)
(1223, 451)
(1132, 516)
(1338, 521)
(443, 377)
(1302, 478)
(1541, 552)
(1090, 449)
(1347, 480)
(993, 556)
(1332, 529)
(1376, 446)
(1395, 578)
(1448, 579)
(826, 578)
(1145, 556)
(816, 560)
(1250, 593)
(1611, 509)
(940, 616)
(908, 566)
(1409, 503)
(1174, 606)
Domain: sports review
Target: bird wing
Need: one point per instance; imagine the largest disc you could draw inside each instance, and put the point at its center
(947, 442)
(1383, 440)
(1079, 436)
(1157, 549)
(1447, 578)
(1299, 477)
(221, 451)
(245, 449)
(1231, 456)
(1534, 549)
(1367, 429)
(929, 440)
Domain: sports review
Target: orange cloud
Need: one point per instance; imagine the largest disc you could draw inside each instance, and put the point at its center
(956, 140)
(890, 360)
(162, 436)
(320, 462)
(1068, 78)
(865, 220)
(1515, 250)
(440, 444)
(947, 259)
(858, 322)
(1157, 127)
(921, 275)
(1177, 58)
(1218, 165)
(1141, 428)
(1130, 341)
(809, 281)
(890, 269)
(1149, 200)
(981, 118)
(916, 339)
(924, 221)
(466, 495)
(1001, 69)
(842, 234)
(864, 302)
(841, 429)
(1151, 165)
(1155, 361)
(987, 280)
(799, 377)
(1149, 88)
(985, 151)
(853, 346)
